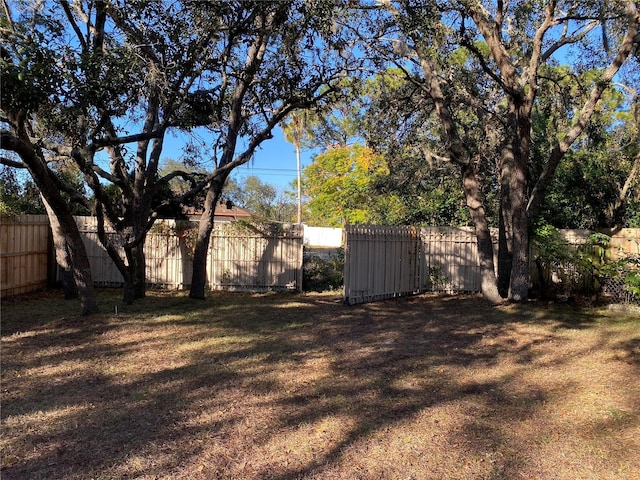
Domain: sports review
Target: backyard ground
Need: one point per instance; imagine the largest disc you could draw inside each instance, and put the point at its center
(284, 386)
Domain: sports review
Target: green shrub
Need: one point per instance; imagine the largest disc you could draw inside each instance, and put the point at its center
(323, 273)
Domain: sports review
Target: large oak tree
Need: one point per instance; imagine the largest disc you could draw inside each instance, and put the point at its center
(481, 66)
(294, 55)
(120, 76)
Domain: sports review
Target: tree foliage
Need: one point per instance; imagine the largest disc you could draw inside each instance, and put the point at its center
(265, 201)
(339, 186)
(477, 70)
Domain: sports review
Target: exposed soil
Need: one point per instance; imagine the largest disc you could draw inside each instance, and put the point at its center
(284, 386)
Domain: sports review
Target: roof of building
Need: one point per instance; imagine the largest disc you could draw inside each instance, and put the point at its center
(225, 211)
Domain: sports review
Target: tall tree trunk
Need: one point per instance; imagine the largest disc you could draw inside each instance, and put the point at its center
(483, 235)
(518, 184)
(505, 221)
(505, 242)
(139, 271)
(68, 229)
(63, 258)
(135, 274)
(255, 55)
(81, 268)
(519, 280)
(205, 227)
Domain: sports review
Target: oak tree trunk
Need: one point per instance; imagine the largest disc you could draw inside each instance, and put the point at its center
(63, 258)
(518, 184)
(483, 235)
(68, 229)
(205, 227)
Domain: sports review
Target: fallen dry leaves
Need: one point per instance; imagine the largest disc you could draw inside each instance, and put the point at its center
(285, 386)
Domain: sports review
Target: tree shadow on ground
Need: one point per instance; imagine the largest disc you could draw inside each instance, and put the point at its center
(277, 386)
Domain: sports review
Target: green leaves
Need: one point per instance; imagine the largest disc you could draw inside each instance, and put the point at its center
(339, 184)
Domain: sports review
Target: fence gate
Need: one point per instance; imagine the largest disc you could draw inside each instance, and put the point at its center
(387, 262)
(381, 262)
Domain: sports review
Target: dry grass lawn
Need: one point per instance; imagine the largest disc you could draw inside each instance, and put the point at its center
(281, 386)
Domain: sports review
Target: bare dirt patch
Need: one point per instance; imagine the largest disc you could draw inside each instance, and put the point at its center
(245, 386)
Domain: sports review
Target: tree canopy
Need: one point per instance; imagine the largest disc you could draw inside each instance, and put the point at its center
(339, 186)
(102, 83)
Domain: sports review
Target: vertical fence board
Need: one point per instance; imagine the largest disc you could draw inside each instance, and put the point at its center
(24, 249)
(384, 262)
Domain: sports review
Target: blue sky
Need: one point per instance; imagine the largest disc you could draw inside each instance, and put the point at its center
(274, 162)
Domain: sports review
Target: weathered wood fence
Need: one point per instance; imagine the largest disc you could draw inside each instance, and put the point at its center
(386, 262)
(241, 257)
(252, 258)
(380, 262)
(24, 254)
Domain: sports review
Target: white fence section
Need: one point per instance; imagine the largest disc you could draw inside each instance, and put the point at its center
(386, 262)
(241, 257)
(322, 236)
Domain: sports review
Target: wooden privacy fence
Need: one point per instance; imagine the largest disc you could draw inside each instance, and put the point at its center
(255, 258)
(241, 257)
(380, 262)
(24, 254)
(386, 262)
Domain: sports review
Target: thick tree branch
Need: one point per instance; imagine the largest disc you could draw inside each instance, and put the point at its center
(112, 140)
(628, 43)
(74, 25)
(536, 54)
(11, 163)
(508, 72)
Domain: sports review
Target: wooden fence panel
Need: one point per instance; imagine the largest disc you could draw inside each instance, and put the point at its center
(375, 267)
(386, 262)
(625, 243)
(450, 257)
(240, 258)
(103, 270)
(24, 250)
(380, 262)
(244, 258)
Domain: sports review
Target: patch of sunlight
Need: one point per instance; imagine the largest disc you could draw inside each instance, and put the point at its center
(293, 305)
(49, 422)
(310, 440)
(217, 344)
(20, 335)
(167, 318)
(305, 373)
(58, 372)
(408, 383)
(137, 463)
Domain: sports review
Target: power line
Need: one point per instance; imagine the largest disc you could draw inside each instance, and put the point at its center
(260, 169)
(249, 174)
